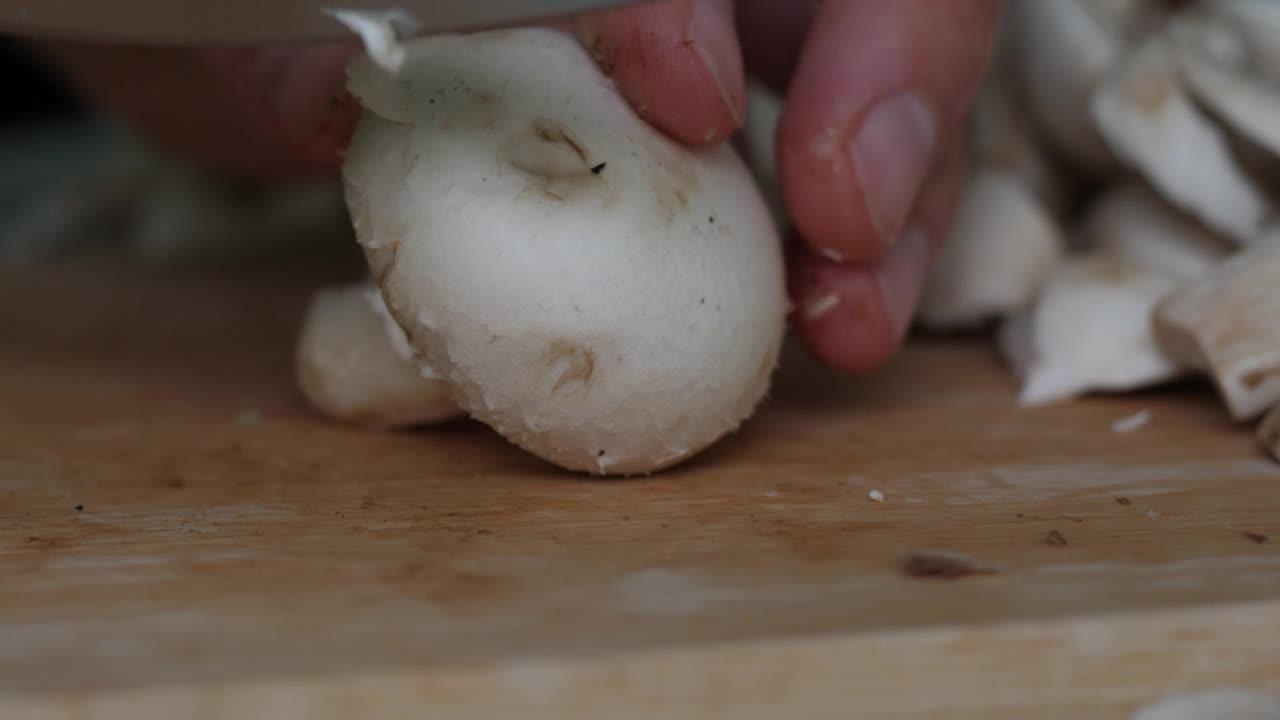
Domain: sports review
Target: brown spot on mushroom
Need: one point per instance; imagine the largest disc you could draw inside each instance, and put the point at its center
(674, 181)
(1150, 89)
(382, 258)
(550, 131)
(558, 164)
(1252, 380)
(572, 361)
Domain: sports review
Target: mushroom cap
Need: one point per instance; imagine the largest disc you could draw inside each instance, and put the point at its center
(1002, 246)
(600, 295)
(355, 365)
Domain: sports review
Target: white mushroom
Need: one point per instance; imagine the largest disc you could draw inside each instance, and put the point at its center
(1061, 50)
(354, 364)
(601, 296)
(1002, 246)
(1227, 323)
(1224, 703)
(1151, 124)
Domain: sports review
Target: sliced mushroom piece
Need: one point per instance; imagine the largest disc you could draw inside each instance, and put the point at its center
(1258, 22)
(1209, 37)
(1132, 221)
(1061, 50)
(355, 364)
(1002, 246)
(1246, 105)
(1227, 323)
(1089, 331)
(1002, 138)
(1152, 125)
(1269, 432)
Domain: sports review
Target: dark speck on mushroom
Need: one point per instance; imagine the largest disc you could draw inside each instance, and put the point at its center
(600, 454)
(598, 169)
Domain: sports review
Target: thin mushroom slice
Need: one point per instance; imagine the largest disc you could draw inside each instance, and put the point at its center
(1089, 331)
(601, 296)
(1227, 324)
(1258, 22)
(1269, 432)
(1002, 246)
(1152, 125)
(1002, 139)
(1248, 106)
(1061, 50)
(759, 134)
(1090, 328)
(1130, 220)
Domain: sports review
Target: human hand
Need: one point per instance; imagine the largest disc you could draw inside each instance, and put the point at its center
(870, 145)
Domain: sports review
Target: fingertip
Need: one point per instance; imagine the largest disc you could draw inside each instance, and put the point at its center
(677, 62)
(839, 313)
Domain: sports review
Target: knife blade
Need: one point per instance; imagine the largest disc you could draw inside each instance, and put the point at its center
(258, 22)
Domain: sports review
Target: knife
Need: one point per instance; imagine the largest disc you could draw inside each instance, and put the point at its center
(257, 22)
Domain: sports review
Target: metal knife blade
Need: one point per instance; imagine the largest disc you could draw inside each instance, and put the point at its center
(256, 22)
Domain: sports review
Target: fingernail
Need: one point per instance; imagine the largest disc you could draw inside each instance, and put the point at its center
(901, 277)
(711, 35)
(892, 153)
(304, 84)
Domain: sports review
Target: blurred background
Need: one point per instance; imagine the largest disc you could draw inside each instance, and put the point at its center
(75, 184)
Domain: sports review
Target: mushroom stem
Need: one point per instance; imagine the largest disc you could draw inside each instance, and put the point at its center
(355, 365)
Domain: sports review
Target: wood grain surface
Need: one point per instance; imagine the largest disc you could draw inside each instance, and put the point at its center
(180, 536)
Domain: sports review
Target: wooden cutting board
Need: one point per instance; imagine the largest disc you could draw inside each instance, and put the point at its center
(180, 537)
